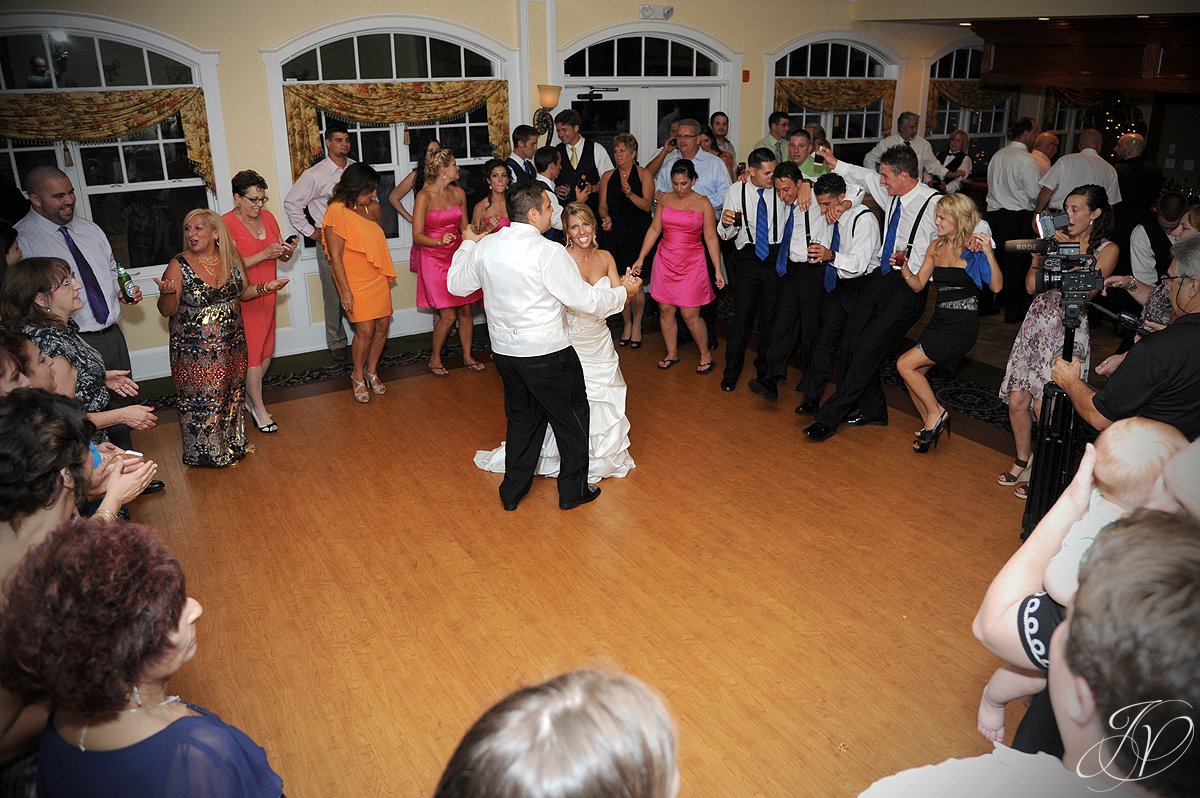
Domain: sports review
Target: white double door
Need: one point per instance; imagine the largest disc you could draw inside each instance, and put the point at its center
(645, 111)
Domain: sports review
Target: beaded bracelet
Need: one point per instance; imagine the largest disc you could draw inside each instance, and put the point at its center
(261, 288)
(108, 515)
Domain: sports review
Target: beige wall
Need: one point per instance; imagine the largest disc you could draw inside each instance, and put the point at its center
(237, 30)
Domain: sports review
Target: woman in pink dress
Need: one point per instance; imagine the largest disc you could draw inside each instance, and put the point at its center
(679, 279)
(257, 238)
(439, 216)
(491, 212)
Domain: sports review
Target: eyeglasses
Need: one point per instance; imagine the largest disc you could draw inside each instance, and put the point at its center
(255, 200)
(686, 135)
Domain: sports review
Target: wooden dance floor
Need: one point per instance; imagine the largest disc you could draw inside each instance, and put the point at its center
(805, 608)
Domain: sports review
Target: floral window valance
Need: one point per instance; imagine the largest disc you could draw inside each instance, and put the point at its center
(966, 94)
(91, 116)
(837, 94)
(389, 103)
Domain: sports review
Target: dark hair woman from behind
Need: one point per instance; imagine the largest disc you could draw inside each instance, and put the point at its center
(98, 621)
(580, 735)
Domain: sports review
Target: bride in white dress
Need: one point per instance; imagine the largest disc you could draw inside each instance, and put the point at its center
(608, 430)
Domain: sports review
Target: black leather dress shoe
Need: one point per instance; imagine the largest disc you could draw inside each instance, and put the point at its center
(808, 407)
(590, 494)
(765, 387)
(728, 385)
(154, 486)
(818, 432)
(338, 353)
(859, 420)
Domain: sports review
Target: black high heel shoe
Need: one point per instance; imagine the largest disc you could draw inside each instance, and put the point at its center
(928, 438)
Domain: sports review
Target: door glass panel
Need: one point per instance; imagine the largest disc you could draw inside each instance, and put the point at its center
(688, 108)
(603, 119)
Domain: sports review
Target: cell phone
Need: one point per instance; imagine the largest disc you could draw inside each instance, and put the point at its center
(292, 239)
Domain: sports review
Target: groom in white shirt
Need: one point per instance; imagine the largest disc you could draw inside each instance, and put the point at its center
(528, 283)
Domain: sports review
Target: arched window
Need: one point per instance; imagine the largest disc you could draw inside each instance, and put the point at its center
(957, 101)
(391, 62)
(629, 81)
(842, 85)
(133, 176)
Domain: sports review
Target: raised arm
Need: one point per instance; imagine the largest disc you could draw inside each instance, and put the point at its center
(168, 289)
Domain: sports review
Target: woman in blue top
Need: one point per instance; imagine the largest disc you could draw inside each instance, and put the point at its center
(98, 620)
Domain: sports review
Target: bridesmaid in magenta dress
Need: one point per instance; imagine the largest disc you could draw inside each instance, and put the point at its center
(491, 212)
(679, 279)
(439, 216)
(256, 235)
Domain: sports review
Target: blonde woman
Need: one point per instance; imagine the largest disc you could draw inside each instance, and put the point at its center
(959, 273)
(200, 293)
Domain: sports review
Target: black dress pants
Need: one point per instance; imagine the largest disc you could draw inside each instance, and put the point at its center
(541, 390)
(839, 325)
(892, 308)
(110, 343)
(1010, 226)
(755, 292)
(797, 317)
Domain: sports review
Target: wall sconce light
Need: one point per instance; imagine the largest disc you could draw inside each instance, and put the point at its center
(543, 120)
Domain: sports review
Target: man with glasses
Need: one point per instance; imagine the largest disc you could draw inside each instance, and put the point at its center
(311, 193)
(1160, 376)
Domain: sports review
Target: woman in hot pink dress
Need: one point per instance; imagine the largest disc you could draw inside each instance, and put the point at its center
(439, 216)
(256, 235)
(679, 279)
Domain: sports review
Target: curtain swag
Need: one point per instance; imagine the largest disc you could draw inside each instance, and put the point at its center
(386, 104)
(1073, 98)
(966, 93)
(106, 115)
(837, 94)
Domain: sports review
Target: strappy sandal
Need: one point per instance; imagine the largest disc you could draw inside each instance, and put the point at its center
(359, 388)
(377, 386)
(1008, 478)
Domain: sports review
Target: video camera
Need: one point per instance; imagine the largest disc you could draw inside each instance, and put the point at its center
(1063, 267)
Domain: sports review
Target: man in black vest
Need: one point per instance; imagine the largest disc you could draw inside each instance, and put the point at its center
(1151, 241)
(520, 163)
(583, 161)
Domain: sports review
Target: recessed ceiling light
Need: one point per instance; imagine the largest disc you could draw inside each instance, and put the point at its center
(964, 24)
(1143, 16)
(1043, 19)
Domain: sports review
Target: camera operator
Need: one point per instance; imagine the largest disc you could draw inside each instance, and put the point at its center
(1043, 332)
(1160, 378)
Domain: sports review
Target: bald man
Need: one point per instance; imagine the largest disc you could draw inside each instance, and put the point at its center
(1141, 182)
(1079, 169)
(1045, 147)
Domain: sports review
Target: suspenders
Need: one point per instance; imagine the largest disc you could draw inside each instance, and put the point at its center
(774, 216)
(912, 234)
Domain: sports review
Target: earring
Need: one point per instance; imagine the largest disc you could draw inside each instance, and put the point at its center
(137, 697)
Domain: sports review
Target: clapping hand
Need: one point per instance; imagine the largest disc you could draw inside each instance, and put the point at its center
(119, 382)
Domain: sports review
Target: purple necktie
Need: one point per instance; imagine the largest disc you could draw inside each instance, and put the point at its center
(91, 285)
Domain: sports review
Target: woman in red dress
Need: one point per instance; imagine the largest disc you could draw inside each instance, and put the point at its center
(256, 235)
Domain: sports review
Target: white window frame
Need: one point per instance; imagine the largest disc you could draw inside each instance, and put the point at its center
(880, 51)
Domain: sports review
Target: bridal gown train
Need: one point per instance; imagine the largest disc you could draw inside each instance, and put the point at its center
(608, 429)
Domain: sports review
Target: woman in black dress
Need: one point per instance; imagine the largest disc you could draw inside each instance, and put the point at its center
(626, 203)
(959, 274)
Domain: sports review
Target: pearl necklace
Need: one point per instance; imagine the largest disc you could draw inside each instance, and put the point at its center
(171, 699)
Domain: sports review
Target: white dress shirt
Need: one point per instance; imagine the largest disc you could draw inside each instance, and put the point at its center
(603, 162)
(1080, 169)
(555, 205)
(925, 157)
(1043, 162)
(744, 235)
(910, 206)
(1141, 255)
(818, 231)
(1001, 774)
(1012, 179)
(39, 238)
(311, 190)
(712, 181)
(528, 283)
(859, 242)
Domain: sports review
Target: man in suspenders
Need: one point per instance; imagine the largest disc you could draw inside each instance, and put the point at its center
(892, 306)
(851, 268)
(756, 235)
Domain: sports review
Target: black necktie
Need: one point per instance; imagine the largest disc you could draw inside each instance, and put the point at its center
(91, 285)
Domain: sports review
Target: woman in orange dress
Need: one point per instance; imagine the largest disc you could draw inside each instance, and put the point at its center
(362, 267)
(256, 235)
